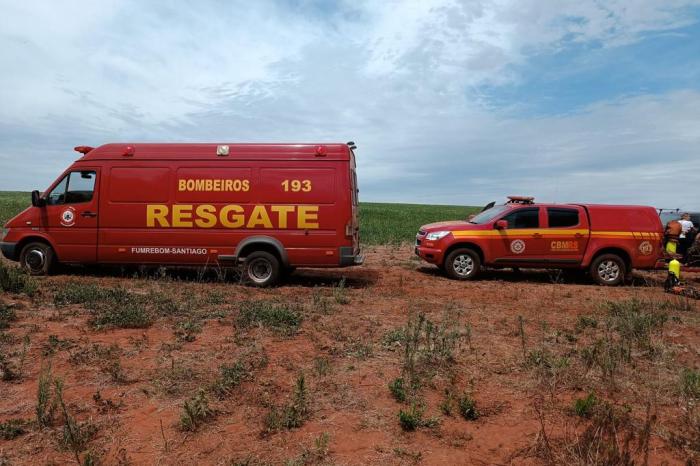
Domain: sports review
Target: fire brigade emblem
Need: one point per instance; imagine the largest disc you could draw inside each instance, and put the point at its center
(517, 246)
(68, 217)
(645, 248)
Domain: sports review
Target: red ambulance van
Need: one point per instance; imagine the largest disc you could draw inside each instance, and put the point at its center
(268, 207)
(608, 241)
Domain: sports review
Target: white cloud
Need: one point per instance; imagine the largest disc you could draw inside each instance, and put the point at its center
(400, 78)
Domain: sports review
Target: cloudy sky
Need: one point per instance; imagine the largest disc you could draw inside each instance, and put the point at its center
(449, 102)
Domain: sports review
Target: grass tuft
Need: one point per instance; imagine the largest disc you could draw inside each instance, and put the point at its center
(16, 280)
(411, 418)
(45, 402)
(398, 390)
(7, 315)
(294, 414)
(195, 411)
(583, 407)
(467, 408)
(282, 318)
(12, 428)
(690, 384)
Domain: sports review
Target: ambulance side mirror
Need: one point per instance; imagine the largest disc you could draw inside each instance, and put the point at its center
(501, 225)
(37, 200)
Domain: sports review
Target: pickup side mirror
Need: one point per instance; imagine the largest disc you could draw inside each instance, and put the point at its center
(37, 200)
(501, 225)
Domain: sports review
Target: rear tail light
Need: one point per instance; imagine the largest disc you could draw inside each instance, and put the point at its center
(349, 230)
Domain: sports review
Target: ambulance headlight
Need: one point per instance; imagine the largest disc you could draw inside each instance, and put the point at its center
(436, 235)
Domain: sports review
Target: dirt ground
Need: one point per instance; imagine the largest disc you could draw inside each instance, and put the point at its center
(516, 345)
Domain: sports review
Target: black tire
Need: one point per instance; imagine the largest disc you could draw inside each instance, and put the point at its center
(608, 270)
(261, 269)
(37, 258)
(462, 264)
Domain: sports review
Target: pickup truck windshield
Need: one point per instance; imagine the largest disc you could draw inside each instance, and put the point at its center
(488, 215)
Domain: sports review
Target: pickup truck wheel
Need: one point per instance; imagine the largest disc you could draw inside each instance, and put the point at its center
(261, 269)
(608, 269)
(37, 258)
(462, 264)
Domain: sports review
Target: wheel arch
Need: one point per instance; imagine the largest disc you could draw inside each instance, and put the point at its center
(624, 255)
(262, 243)
(466, 245)
(34, 238)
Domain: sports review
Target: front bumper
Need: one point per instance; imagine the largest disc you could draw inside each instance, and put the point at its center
(9, 250)
(432, 255)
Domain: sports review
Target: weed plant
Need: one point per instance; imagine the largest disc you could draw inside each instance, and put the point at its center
(195, 411)
(15, 280)
(7, 315)
(282, 318)
(12, 428)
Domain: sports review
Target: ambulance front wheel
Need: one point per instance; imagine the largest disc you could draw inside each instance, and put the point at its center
(37, 258)
(262, 269)
(462, 264)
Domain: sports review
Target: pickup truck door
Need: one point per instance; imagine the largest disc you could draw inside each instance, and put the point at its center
(522, 242)
(566, 234)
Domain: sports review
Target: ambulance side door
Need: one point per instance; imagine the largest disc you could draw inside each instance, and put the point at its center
(70, 216)
(567, 232)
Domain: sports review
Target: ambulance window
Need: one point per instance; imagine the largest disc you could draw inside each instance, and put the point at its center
(562, 217)
(80, 187)
(58, 194)
(524, 218)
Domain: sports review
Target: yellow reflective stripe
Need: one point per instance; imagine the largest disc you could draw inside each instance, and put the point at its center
(554, 232)
(612, 233)
(518, 232)
(551, 231)
(475, 233)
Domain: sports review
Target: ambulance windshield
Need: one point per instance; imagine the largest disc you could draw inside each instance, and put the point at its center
(488, 215)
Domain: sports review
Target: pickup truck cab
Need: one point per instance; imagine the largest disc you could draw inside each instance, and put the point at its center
(608, 241)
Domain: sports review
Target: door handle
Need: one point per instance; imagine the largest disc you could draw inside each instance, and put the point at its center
(536, 235)
(87, 213)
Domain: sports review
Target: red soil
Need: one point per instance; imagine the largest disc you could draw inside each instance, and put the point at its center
(350, 400)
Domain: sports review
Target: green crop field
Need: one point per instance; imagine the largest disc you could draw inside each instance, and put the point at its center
(395, 223)
(379, 223)
(11, 203)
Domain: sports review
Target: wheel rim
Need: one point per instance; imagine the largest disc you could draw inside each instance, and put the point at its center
(463, 265)
(35, 260)
(609, 270)
(260, 270)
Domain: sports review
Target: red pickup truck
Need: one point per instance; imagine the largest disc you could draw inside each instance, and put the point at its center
(606, 240)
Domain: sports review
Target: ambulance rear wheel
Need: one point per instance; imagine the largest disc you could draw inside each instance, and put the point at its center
(261, 269)
(462, 264)
(608, 269)
(37, 258)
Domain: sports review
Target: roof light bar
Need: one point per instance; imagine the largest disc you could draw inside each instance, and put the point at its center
(83, 149)
(521, 200)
